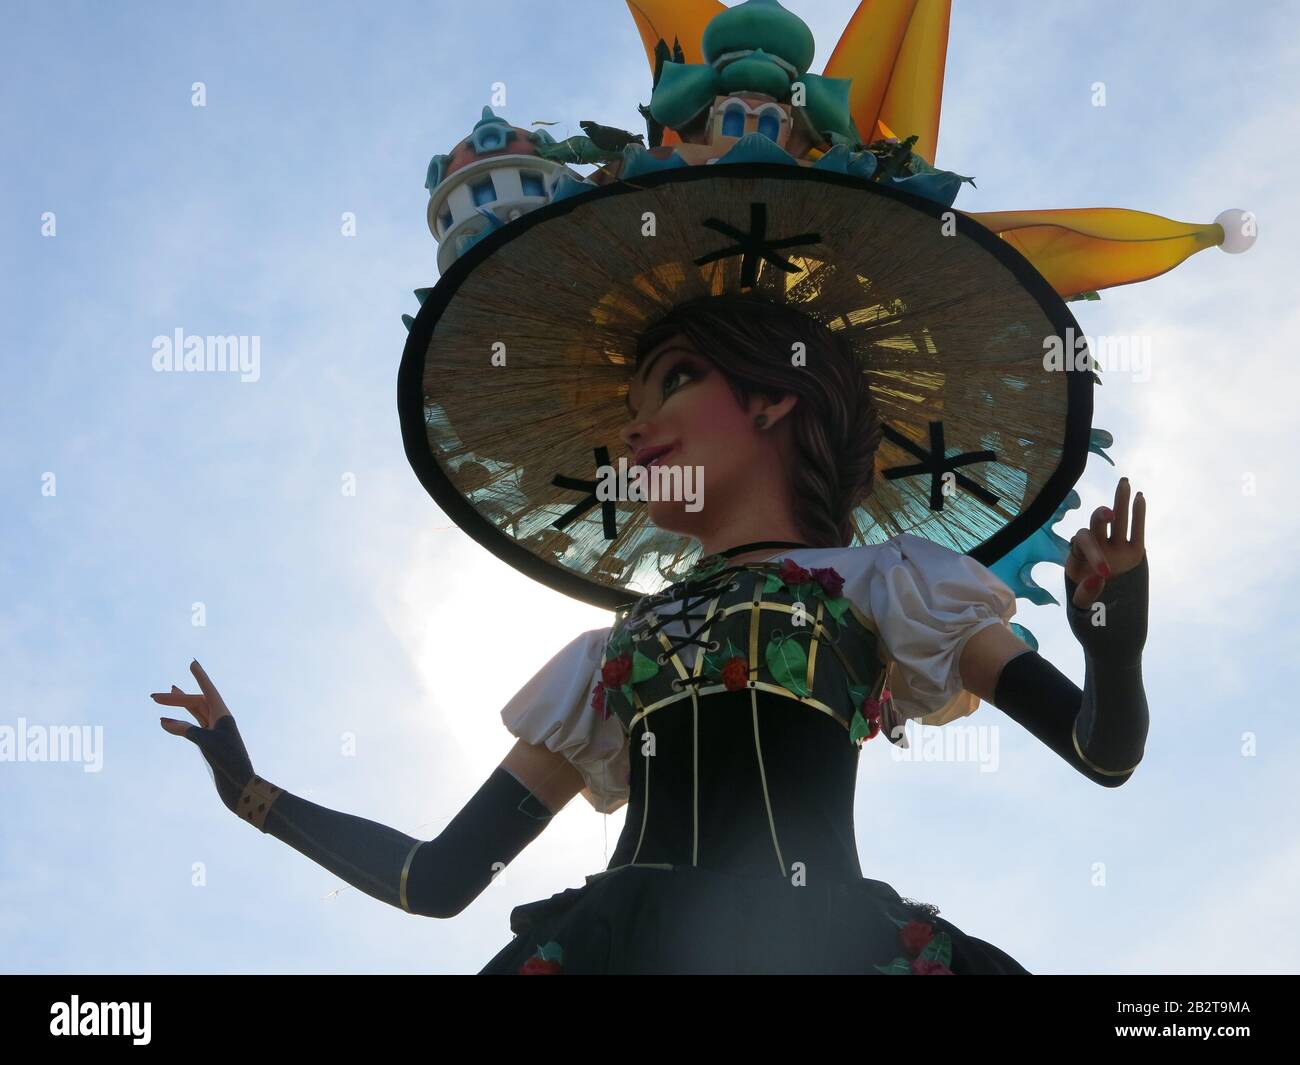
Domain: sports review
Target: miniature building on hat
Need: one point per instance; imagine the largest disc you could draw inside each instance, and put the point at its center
(492, 177)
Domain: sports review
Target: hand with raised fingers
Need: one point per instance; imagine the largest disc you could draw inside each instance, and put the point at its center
(1108, 563)
(218, 737)
(1107, 549)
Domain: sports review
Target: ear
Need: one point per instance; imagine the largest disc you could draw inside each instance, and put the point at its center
(774, 409)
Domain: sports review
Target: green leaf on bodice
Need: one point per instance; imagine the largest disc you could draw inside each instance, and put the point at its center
(620, 643)
(808, 593)
(788, 664)
(859, 727)
(713, 662)
(643, 667)
(897, 967)
(837, 606)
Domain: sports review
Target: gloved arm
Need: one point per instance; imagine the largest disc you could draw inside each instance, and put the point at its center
(1101, 730)
(436, 878)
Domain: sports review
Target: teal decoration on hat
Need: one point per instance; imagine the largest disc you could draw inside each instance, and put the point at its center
(638, 160)
(756, 148)
(567, 185)
(826, 103)
(942, 187)
(683, 91)
(1015, 568)
(1099, 439)
(759, 24)
(756, 72)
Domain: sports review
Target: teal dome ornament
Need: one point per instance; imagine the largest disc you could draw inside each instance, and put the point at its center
(759, 25)
(756, 72)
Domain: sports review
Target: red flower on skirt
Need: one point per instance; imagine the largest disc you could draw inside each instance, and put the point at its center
(598, 699)
(536, 966)
(925, 967)
(915, 935)
(547, 960)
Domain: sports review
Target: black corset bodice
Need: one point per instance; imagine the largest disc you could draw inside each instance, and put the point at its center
(745, 692)
(706, 777)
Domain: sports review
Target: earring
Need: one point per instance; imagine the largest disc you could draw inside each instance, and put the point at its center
(760, 420)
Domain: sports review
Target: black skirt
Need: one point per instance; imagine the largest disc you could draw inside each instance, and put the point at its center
(687, 920)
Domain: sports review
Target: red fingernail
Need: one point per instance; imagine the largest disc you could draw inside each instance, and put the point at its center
(1105, 570)
(1092, 582)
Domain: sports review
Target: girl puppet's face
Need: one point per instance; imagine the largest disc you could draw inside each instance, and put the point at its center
(684, 414)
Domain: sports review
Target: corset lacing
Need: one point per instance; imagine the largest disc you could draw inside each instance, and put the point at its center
(690, 594)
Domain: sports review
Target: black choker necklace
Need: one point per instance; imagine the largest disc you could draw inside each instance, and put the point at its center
(708, 565)
(731, 552)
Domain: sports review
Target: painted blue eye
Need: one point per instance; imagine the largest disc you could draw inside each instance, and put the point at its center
(769, 125)
(733, 122)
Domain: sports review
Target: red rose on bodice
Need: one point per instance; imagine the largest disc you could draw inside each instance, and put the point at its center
(617, 671)
(735, 674)
(792, 573)
(832, 583)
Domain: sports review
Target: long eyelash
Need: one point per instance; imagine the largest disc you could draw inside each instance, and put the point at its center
(686, 366)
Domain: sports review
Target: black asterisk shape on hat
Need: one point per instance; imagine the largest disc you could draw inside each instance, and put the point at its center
(936, 464)
(754, 245)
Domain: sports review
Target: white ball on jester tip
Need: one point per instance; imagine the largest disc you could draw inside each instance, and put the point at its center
(1239, 230)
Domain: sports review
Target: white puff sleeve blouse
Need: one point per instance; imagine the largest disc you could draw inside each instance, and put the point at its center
(927, 601)
(553, 710)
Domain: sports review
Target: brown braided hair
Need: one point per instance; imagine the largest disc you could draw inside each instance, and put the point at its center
(835, 426)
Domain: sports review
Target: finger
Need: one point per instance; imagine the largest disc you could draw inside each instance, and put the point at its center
(195, 704)
(1092, 552)
(216, 706)
(1138, 535)
(1099, 524)
(176, 728)
(1119, 528)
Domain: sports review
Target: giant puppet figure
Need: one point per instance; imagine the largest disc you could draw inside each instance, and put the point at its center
(832, 388)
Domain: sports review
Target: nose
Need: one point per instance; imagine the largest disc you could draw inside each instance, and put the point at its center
(633, 432)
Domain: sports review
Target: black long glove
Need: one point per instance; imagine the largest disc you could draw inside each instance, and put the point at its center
(1101, 730)
(437, 878)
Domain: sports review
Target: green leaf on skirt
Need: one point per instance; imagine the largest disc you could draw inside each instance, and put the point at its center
(938, 949)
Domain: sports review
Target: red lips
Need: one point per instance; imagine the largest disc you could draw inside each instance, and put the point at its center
(646, 455)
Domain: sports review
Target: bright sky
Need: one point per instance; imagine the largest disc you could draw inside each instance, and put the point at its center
(369, 619)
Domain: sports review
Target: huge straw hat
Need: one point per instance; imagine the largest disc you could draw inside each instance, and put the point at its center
(982, 443)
